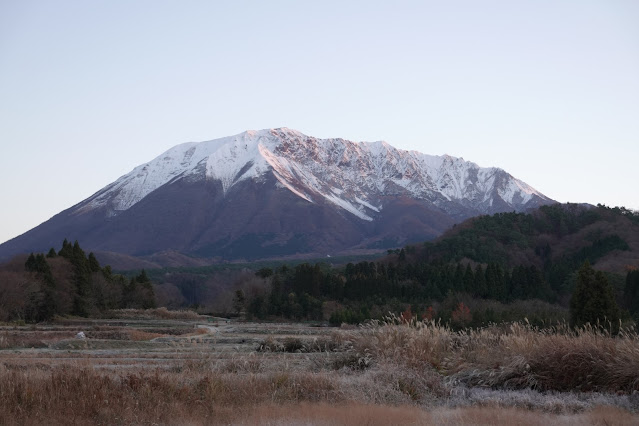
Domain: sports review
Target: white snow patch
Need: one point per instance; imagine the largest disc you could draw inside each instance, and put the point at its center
(368, 205)
(290, 188)
(348, 207)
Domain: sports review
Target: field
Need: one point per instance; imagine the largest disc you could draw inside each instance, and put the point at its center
(160, 367)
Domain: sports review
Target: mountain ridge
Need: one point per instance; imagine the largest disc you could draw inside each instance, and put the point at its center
(252, 154)
(281, 189)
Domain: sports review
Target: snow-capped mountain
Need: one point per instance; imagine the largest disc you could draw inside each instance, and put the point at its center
(278, 191)
(353, 176)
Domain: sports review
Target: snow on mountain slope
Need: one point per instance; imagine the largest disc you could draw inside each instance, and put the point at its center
(356, 177)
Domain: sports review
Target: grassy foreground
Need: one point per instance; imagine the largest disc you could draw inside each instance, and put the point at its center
(150, 371)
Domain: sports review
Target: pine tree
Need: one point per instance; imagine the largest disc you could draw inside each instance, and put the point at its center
(481, 288)
(500, 289)
(518, 280)
(402, 255)
(631, 294)
(469, 278)
(458, 280)
(30, 264)
(492, 282)
(81, 277)
(94, 265)
(67, 250)
(593, 300)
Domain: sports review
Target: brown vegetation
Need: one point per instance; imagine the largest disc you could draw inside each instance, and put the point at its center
(249, 373)
(156, 313)
(515, 356)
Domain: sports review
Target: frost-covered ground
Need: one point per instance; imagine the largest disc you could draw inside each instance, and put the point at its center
(207, 370)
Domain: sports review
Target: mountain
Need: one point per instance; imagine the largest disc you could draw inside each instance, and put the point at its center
(279, 192)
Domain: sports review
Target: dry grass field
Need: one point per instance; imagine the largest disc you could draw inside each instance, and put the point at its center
(160, 367)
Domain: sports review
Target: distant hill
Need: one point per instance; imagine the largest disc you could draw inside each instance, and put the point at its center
(503, 267)
(556, 239)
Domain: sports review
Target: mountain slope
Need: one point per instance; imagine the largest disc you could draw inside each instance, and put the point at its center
(279, 192)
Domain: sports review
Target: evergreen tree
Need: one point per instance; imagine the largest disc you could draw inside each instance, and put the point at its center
(481, 288)
(458, 279)
(518, 280)
(41, 304)
(469, 278)
(593, 300)
(631, 294)
(94, 265)
(495, 287)
(67, 250)
(30, 264)
(500, 288)
(81, 278)
(138, 293)
(402, 255)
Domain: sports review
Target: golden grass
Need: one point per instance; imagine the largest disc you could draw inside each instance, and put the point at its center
(159, 397)
(78, 397)
(516, 356)
(384, 373)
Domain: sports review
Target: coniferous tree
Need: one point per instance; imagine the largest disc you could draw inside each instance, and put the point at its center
(631, 294)
(518, 280)
(41, 304)
(458, 279)
(81, 279)
(30, 264)
(480, 282)
(67, 250)
(469, 278)
(593, 300)
(402, 255)
(500, 289)
(94, 265)
(492, 282)
(92, 288)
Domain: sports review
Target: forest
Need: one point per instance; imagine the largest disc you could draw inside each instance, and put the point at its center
(489, 269)
(67, 282)
(491, 262)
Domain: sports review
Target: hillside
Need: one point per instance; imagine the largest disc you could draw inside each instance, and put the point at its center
(501, 267)
(549, 236)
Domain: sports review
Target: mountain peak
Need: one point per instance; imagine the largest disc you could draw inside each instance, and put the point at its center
(277, 185)
(353, 176)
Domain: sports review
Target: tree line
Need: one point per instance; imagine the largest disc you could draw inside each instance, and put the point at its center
(70, 282)
(504, 257)
(366, 288)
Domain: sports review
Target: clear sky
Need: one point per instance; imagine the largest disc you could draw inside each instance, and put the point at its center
(547, 90)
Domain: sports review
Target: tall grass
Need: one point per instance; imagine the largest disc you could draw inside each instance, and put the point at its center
(443, 376)
(514, 356)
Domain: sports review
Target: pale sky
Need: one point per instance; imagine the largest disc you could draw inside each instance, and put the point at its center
(546, 90)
